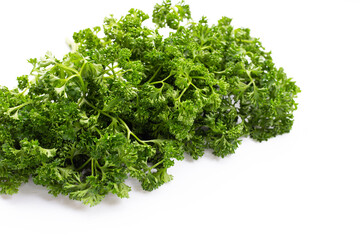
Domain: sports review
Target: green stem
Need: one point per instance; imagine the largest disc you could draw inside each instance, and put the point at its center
(138, 139)
(198, 77)
(67, 68)
(72, 76)
(122, 72)
(189, 84)
(106, 71)
(82, 166)
(250, 53)
(157, 141)
(112, 70)
(22, 105)
(100, 111)
(155, 165)
(182, 93)
(18, 107)
(162, 81)
(206, 47)
(251, 79)
(98, 131)
(126, 127)
(102, 171)
(82, 83)
(195, 86)
(22, 93)
(72, 161)
(129, 132)
(84, 90)
(82, 67)
(152, 78)
(246, 41)
(162, 84)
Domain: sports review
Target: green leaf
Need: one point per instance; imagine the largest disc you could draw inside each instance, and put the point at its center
(121, 190)
(48, 152)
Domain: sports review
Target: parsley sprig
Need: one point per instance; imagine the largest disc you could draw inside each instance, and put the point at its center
(130, 103)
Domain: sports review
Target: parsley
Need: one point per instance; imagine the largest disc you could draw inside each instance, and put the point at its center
(130, 103)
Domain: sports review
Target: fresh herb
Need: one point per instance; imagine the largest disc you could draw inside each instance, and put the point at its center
(132, 102)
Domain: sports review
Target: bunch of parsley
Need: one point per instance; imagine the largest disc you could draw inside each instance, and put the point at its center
(130, 103)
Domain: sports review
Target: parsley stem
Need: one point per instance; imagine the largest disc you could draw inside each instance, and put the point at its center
(162, 81)
(82, 166)
(189, 84)
(195, 86)
(100, 111)
(152, 78)
(18, 107)
(22, 93)
(198, 77)
(251, 79)
(122, 72)
(127, 127)
(102, 171)
(129, 132)
(155, 165)
(67, 68)
(82, 67)
(182, 93)
(112, 70)
(246, 41)
(98, 131)
(72, 76)
(158, 141)
(136, 137)
(250, 53)
(82, 83)
(22, 105)
(72, 161)
(106, 71)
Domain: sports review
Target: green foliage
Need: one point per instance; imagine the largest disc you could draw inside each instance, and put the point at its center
(130, 103)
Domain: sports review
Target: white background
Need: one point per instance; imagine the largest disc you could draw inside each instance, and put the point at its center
(302, 185)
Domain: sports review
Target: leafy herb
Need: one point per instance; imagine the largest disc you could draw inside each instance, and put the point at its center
(130, 103)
